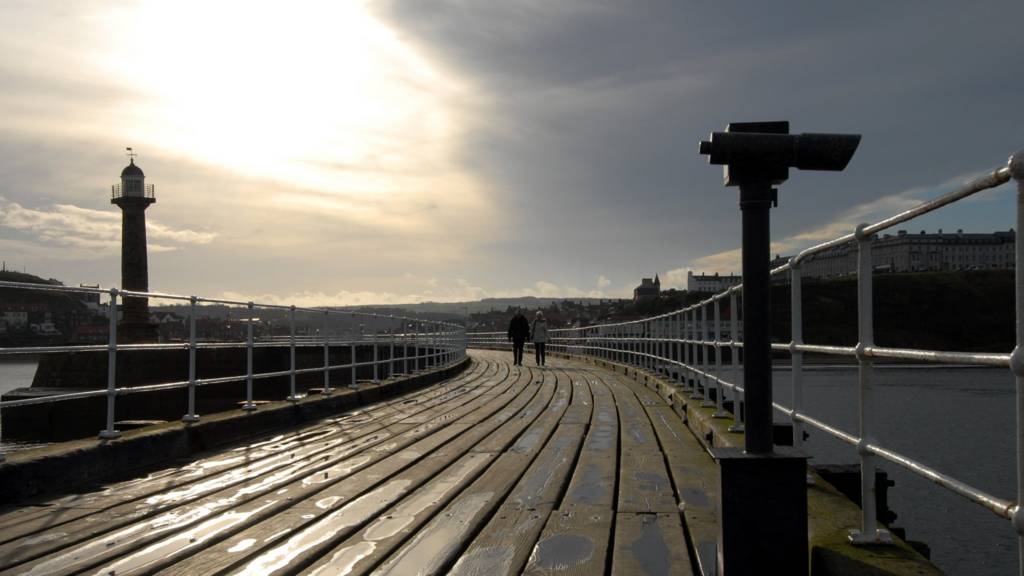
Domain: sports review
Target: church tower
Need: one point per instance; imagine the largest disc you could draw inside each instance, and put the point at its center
(133, 196)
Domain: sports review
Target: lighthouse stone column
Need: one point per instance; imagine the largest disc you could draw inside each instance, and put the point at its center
(133, 197)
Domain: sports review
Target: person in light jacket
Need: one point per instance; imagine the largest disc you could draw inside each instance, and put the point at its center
(539, 335)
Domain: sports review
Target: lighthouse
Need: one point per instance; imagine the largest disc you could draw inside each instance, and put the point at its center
(133, 196)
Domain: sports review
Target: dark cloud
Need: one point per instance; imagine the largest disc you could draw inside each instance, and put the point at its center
(597, 108)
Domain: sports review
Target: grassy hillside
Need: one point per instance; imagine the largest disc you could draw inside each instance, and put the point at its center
(964, 311)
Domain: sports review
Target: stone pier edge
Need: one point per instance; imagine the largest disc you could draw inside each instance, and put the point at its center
(70, 467)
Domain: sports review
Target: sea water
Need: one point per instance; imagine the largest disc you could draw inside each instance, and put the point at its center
(960, 421)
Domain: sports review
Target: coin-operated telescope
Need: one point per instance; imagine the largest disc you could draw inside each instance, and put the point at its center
(766, 151)
(764, 492)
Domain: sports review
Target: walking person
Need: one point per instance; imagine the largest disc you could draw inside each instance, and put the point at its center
(539, 335)
(518, 332)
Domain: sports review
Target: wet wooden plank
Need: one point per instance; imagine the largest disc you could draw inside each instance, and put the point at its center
(383, 533)
(104, 536)
(506, 548)
(54, 512)
(124, 525)
(425, 497)
(504, 544)
(695, 476)
(593, 480)
(644, 484)
(650, 545)
(435, 547)
(636, 431)
(365, 551)
(548, 475)
(574, 541)
(346, 502)
(582, 400)
(311, 533)
(548, 392)
(340, 496)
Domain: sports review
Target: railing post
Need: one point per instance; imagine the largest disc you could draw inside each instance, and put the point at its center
(677, 355)
(292, 396)
(690, 329)
(416, 347)
(109, 432)
(700, 358)
(353, 384)
(734, 359)
(638, 342)
(648, 346)
(191, 415)
(705, 356)
(655, 346)
(1017, 357)
(431, 360)
(687, 353)
(869, 532)
(796, 356)
(652, 345)
(391, 354)
(249, 404)
(327, 356)
(621, 335)
(720, 411)
(425, 327)
(666, 325)
(376, 373)
(441, 344)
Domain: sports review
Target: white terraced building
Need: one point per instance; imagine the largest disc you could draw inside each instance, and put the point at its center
(904, 252)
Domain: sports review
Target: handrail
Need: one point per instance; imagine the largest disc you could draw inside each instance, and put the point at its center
(432, 344)
(685, 346)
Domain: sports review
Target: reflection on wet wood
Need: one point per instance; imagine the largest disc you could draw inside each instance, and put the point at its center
(569, 469)
(650, 545)
(575, 541)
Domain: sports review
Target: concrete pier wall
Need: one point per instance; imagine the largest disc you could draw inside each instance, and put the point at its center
(68, 372)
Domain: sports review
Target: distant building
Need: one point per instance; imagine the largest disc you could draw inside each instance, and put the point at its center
(647, 289)
(710, 282)
(903, 252)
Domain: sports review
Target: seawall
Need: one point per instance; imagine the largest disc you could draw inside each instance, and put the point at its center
(78, 371)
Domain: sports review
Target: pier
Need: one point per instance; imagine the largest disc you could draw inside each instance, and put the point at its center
(576, 468)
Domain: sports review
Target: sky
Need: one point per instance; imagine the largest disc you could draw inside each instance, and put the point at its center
(391, 151)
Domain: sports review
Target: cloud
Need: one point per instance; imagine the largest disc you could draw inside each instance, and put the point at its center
(433, 290)
(603, 282)
(730, 261)
(504, 143)
(87, 231)
(675, 278)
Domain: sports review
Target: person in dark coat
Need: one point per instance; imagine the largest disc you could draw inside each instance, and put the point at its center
(518, 332)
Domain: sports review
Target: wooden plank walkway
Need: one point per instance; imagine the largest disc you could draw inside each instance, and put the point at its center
(503, 470)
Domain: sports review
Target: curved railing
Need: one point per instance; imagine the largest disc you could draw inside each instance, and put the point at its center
(410, 345)
(688, 346)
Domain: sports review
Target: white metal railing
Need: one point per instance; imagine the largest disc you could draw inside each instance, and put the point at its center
(688, 347)
(423, 344)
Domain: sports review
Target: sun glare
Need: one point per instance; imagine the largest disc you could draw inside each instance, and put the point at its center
(322, 95)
